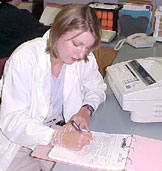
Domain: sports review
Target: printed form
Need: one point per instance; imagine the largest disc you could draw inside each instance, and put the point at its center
(106, 151)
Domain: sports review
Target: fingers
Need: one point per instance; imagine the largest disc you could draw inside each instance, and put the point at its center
(84, 126)
(81, 121)
(87, 136)
(74, 140)
(82, 141)
(84, 138)
(70, 127)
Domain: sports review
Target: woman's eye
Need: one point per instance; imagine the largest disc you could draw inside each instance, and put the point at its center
(76, 44)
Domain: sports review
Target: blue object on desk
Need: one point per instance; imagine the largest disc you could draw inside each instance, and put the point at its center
(136, 14)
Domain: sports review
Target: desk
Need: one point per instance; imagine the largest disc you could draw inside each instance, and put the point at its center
(110, 118)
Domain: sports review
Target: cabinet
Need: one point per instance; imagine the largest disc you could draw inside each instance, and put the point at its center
(104, 57)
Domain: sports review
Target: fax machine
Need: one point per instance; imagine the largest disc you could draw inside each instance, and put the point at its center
(137, 85)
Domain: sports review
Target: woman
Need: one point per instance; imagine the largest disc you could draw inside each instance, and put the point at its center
(50, 78)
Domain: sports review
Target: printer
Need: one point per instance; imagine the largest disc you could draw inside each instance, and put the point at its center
(137, 86)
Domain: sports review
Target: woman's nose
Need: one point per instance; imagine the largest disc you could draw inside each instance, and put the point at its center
(82, 53)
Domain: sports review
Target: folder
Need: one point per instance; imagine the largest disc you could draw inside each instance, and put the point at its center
(140, 13)
(109, 152)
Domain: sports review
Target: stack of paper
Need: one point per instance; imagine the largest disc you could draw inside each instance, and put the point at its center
(48, 15)
(158, 25)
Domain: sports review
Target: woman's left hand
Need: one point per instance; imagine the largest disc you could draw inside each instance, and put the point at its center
(81, 118)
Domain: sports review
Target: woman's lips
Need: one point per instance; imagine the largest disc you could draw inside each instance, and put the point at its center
(74, 59)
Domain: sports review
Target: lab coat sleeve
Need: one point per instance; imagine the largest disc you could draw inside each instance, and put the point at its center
(18, 122)
(92, 83)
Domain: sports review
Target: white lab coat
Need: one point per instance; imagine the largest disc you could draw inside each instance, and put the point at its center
(26, 96)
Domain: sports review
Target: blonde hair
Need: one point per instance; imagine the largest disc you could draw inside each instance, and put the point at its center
(73, 17)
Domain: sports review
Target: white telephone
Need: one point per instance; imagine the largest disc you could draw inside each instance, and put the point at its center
(137, 40)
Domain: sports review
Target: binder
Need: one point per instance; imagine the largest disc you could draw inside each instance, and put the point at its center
(145, 155)
(123, 152)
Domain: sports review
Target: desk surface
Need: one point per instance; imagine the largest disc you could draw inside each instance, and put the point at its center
(110, 118)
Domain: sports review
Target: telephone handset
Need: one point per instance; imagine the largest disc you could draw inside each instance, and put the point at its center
(137, 40)
(141, 40)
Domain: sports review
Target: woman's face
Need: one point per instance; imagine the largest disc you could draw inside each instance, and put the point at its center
(73, 45)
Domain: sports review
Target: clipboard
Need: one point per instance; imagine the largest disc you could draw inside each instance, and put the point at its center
(144, 154)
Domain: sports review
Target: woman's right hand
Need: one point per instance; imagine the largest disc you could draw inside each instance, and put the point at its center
(74, 140)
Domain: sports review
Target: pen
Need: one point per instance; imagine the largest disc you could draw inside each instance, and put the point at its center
(76, 126)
